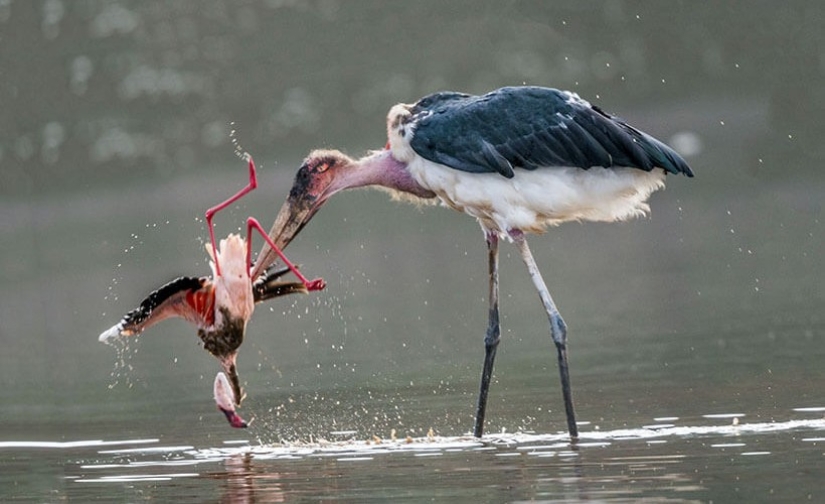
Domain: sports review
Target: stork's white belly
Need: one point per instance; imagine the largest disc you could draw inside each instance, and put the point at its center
(533, 200)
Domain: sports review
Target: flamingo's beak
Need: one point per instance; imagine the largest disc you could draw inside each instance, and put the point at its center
(235, 420)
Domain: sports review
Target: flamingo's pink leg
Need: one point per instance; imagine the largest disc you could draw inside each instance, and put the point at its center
(253, 183)
(251, 222)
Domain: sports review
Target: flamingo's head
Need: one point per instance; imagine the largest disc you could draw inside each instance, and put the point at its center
(225, 399)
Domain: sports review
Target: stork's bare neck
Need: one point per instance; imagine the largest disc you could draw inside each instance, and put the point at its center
(379, 168)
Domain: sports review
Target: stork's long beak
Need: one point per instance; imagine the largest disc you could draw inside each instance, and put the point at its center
(293, 216)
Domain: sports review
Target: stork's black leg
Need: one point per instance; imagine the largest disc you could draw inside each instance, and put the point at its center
(558, 329)
(493, 333)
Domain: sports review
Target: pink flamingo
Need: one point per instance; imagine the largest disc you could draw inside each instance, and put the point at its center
(221, 305)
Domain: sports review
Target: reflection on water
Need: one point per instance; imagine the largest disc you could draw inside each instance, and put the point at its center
(676, 462)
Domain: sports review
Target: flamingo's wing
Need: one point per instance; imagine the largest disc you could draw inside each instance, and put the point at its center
(267, 286)
(186, 297)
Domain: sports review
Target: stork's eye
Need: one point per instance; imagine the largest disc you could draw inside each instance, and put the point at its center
(321, 168)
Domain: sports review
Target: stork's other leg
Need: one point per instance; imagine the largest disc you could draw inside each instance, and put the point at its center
(493, 333)
(252, 222)
(558, 329)
(210, 213)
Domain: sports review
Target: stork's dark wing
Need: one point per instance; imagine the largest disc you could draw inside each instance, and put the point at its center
(268, 287)
(531, 127)
(186, 297)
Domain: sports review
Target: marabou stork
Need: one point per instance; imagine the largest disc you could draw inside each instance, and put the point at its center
(221, 305)
(518, 159)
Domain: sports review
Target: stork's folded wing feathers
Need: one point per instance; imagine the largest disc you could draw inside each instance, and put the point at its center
(175, 299)
(530, 128)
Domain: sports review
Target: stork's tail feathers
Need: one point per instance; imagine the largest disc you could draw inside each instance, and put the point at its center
(660, 154)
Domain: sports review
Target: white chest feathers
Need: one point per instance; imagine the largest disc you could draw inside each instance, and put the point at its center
(535, 199)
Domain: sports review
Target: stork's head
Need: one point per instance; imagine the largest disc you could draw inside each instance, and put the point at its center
(322, 174)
